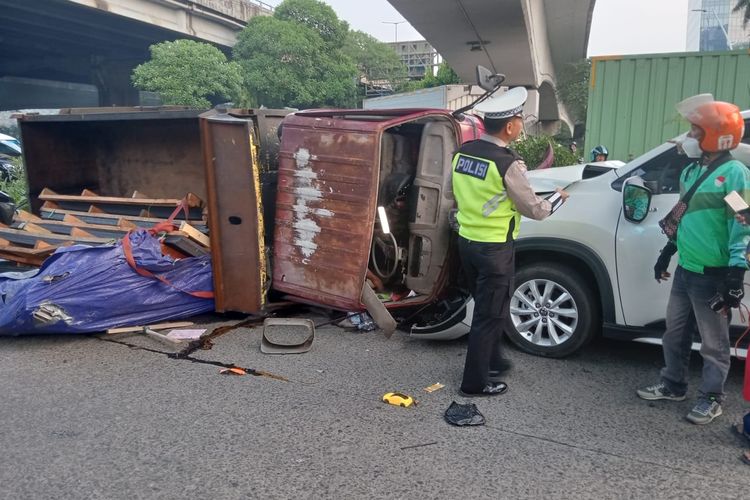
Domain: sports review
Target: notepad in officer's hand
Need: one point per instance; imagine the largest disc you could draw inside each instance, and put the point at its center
(556, 200)
(737, 203)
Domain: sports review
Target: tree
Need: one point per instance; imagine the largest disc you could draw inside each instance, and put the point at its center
(533, 149)
(743, 4)
(295, 58)
(317, 16)
(445, 76)
(377, 63)
(187, 73)
(573, 88)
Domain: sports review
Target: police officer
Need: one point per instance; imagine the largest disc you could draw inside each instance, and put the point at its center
(492, 192)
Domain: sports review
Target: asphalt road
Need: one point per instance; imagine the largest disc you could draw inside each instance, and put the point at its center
(85, 418)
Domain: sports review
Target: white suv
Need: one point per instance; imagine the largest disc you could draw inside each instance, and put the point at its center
(587, 267)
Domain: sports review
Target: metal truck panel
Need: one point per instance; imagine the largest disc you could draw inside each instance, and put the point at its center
(632, 99)
(114, 153)
(329, 171)
(450, 97)
(235, 213)
(325, 209)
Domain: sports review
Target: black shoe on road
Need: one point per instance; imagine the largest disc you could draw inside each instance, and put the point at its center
(491, 389)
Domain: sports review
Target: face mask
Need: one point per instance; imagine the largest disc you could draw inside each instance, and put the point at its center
(691, 147)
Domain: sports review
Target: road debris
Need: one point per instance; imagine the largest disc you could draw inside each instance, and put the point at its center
(463, 415)
(434, 387)
(287, 336)
(399, 399)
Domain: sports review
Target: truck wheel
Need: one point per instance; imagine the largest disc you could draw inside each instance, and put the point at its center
(553, 312)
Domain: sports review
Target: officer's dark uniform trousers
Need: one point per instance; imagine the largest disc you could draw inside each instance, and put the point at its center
(489, 269)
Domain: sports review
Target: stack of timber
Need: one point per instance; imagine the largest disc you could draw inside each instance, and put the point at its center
(90, 219)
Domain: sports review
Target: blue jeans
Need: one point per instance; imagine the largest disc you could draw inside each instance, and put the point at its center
(688, 307)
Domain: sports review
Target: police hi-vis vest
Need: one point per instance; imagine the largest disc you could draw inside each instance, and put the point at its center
(485, 212)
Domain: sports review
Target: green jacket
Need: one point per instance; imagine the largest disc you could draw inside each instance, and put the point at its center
(708, 234)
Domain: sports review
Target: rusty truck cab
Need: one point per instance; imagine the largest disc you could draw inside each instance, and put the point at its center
(364, 199)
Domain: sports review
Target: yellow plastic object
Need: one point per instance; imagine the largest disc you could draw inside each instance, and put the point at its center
(398, 399)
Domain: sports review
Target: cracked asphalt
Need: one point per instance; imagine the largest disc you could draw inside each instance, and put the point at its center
(84, 418)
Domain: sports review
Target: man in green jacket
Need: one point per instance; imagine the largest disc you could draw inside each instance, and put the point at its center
(709, 280)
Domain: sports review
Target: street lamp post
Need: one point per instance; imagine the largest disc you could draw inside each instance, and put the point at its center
(395, 25)
(721, 26)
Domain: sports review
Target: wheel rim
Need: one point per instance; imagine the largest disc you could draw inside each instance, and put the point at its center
(544, 313)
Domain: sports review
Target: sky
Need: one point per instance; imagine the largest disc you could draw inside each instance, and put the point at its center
(618, 26)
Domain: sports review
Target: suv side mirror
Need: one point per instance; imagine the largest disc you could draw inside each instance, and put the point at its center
(487, 80)
(636, 202)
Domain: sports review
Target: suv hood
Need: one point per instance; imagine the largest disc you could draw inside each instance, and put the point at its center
(548, 179)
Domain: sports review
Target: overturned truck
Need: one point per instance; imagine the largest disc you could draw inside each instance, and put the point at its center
(346, 209)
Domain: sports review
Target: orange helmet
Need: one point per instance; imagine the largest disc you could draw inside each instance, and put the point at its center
(721, 123)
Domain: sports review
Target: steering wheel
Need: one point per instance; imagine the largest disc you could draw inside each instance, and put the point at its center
(388, 247)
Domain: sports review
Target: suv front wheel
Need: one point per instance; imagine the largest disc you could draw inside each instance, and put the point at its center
(553, 311)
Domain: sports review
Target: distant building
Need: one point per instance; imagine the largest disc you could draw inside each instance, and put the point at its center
(419, 56)
(711, 22)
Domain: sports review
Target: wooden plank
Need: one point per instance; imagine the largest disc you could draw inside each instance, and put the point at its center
(138, 194)
(24, 216)
(161, 212)
(50, 205)
(72, 219)
(195, 235)
(126, 224)
(185, 245)
(28, 260)
(24, 238)
(88, 192)
(158, 326)
(96, 230)
(193, 200)
(41, 251)
(44, 246)
(77, 232)
(108, 219)
(30, 227)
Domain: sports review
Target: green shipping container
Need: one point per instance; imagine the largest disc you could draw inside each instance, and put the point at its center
(632, 99)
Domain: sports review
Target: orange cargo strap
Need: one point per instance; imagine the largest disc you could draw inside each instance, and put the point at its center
(167, 226)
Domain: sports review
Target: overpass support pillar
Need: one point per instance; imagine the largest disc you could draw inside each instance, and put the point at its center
(112, 79)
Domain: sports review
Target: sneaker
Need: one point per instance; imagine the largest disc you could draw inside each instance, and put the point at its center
(704, 411)
(491, 389)
(658, 391)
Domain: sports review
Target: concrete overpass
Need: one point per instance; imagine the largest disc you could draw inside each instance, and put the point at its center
(527, 40)
(99, 42)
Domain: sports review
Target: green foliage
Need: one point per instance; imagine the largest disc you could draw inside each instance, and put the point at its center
(573, 88)
(288, 64)
(317, 16)
(534, 148)
(743, 5)
(16, 187)
(187, 73)
(377, 63)
(445, 76)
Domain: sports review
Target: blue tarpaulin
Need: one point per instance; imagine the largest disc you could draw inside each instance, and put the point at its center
(82, 289)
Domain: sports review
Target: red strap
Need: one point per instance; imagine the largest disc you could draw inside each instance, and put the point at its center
(167, 226)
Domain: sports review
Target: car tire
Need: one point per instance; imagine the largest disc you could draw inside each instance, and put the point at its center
(560, 330)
